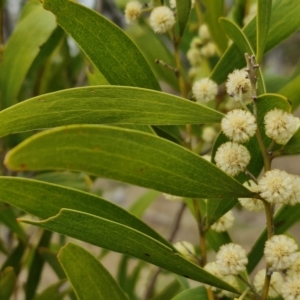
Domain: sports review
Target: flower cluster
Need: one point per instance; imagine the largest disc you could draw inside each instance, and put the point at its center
(232, 158)
(238, 85)
(205, 90)
(224, 223)
(280, 125)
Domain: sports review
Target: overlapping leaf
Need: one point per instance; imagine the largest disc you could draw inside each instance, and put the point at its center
(119, 238)
(125, 155)
(106, 45)
(89, 278)
(104, 105)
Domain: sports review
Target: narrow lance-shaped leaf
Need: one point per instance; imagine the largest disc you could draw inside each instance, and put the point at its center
(45, 200)
(198, 293)
(21, 50)
(104, 105)
(284, 22)
(183, 9)
(239, 38)
(214, 9)
(126, 155)
(89, 278)
(55, 291)
(292, 90)
(264, 9)
(110, 235)
(36, 266)
(7, 283)
(107, 46)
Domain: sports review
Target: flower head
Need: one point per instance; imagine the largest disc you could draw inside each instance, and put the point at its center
(238, 82)
(275, 284)
(251, 204)
(224, 223)
(295, 196)
(161, 19)
(196, 43)
(186, 249)
(280, 125)
(239, 125)
(231, 259)
(276, 186)
(205, 90)
(203, 32)
(232, 158)
(280, 252)
(209, 50)
(209, 134)
(213, 269)
(194, 56)
(295, 267)
(291, 288)
(133, 11)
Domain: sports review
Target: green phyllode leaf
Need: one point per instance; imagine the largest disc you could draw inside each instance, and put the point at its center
(21, 49)
(183, 9)
(7, 283)
(198, 293)
(125, 155)
(44, 200)
(53, 292)
(106, 45)
(214, 9)
(102, 105)
(110, 235)
(89, 278)
(264, 9)
(284, 22)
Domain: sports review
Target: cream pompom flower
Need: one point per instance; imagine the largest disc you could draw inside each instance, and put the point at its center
(239, 125)
(194, 56)
(133, 11)
(280, 125)
(186, 249)
(231, 259)
(205, 90)
(224, 223)
(209, 50)
(251, 204)
(295, 196)
(209, 134)
(295, 267)
(232, 158)
(275, 284)
(213, 269)
(238, 82)
(204, 32)
(161, 19)
(291, 288)
(276, 186)
(280, 252)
